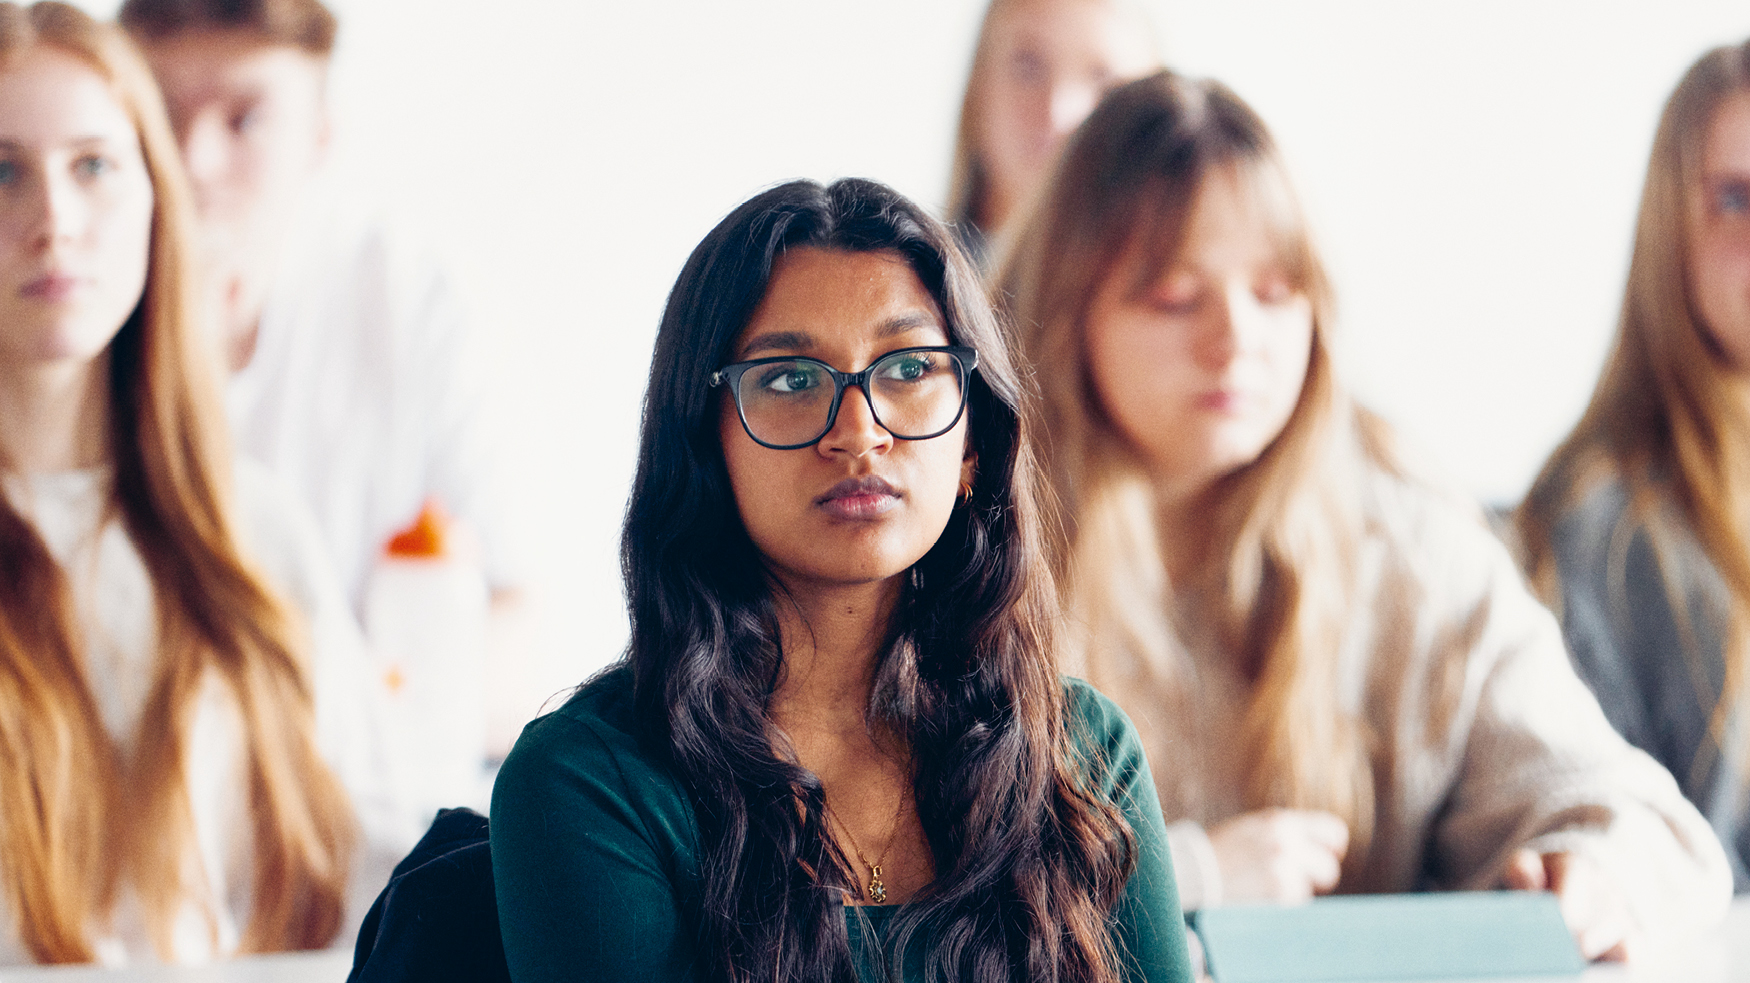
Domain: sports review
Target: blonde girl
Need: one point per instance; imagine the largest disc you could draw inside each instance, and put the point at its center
(1037, 71)
(162, 791)
(1340, 679)
(1638, 529)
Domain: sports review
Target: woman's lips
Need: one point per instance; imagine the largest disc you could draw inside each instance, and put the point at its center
(51, 287)
(1227, 401)
(859, 498)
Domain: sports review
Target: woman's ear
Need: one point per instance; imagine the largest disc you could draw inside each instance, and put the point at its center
(968, 471)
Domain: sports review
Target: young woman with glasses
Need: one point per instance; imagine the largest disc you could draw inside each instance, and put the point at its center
(837, 748)
(1638, 530)
(1339, 676)
(181, 687)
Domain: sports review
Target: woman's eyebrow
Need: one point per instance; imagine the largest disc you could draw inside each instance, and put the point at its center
(908, 322)
(784, 341)
(9, 145)
(798, 341)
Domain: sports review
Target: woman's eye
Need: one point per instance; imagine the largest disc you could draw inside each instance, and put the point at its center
(1732, 198)
(92, 165)
(1177, 293)
(8, 173)
(1176, 301)
(909, 369)
(790, 378)
(1030, 68)
(1274, 291)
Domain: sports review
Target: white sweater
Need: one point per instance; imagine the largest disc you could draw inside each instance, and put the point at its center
(112, 597)
(1485, 740)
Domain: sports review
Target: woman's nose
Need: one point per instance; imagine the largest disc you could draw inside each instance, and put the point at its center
(1221, 336)
(856, 431)
(59, 210)
(206, 154)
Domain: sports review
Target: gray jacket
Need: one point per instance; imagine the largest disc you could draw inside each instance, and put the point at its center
(1658, 678)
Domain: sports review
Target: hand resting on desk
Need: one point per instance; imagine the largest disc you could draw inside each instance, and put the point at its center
(1279, 855)
(1594, 907)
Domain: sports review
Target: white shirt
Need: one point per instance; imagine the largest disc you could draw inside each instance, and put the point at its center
(112, 600)
(364, 398)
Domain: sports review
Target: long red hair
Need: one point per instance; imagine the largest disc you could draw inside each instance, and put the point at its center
(78, 817)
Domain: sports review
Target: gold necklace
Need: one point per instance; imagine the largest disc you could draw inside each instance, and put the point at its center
(876, 892)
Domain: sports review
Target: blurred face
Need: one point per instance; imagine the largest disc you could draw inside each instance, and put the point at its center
(252, 123)
(1719, 262)
(1049, 62)
(1200, 367)
(859, 506)
(75, 212)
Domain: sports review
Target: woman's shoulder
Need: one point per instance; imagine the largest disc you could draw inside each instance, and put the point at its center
(596, 720)
(1093, 711)
(1429, 564)
(1630, 533)
(1594, 508)
(1422, 537)
(1625, 551)
(593, 742)
(1101, 734)
(1410, 505)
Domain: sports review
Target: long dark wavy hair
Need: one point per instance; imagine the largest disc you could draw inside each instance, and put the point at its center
(1029, 865)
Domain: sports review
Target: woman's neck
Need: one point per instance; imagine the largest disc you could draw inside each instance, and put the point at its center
(55, 417)
(832, 639)
(1187, 518)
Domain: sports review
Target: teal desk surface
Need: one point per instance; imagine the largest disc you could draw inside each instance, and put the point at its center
(1385, 937)
(1722, 956)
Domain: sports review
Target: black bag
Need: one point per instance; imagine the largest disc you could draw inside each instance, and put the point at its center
(438, 918)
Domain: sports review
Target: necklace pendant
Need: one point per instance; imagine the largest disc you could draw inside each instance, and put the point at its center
(877, 891)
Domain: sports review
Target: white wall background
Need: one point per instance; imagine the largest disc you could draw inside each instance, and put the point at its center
(1472, 169)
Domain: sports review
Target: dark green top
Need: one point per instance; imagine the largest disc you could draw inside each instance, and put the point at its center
(595, 851)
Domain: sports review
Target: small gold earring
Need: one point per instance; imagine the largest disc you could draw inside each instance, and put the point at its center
(966, 490)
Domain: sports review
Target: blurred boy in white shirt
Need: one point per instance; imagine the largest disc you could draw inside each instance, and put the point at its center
(352, 378)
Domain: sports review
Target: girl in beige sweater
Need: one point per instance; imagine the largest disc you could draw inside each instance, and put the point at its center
(1342, 682)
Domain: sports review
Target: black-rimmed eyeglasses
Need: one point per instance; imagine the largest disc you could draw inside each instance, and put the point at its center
(788, 402)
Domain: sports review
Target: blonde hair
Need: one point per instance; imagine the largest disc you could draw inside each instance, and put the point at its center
(78, 818)
(1668, 417)
(968, 182)
(1286, 526)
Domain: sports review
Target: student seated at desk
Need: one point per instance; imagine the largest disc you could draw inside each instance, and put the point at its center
(165, 711)
(1638, 530)
(353, 371)
(1037, 71)
(837, 748)
(1340, 679)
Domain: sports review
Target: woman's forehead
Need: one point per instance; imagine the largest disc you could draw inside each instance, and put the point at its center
(50, 97)
(1169, 220)
(819, 299)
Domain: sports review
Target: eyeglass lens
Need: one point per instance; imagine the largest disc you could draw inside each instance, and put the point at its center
(913, 394)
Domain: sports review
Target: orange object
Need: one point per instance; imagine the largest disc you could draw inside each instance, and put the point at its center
(429, 536)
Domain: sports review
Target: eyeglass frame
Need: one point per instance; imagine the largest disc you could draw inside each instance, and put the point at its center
(732, 373)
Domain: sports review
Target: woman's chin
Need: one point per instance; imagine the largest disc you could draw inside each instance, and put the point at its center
(847, 568)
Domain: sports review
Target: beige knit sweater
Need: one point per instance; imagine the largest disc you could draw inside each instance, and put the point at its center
(1485, 740)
